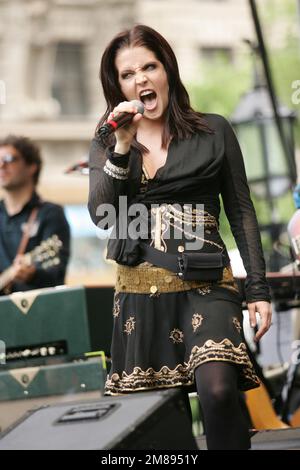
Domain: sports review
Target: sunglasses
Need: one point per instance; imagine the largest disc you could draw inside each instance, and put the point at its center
(8, 158)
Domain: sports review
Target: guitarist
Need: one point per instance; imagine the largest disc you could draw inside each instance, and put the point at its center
(26, 220)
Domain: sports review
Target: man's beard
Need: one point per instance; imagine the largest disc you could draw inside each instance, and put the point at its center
(9, 187)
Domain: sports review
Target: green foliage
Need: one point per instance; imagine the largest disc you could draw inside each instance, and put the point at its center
(278, 9)
(286, 66)
(285, 55)
(225, 230)
(221, 86)
(222, 83)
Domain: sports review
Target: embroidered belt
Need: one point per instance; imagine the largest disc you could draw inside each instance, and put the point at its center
(148, 279)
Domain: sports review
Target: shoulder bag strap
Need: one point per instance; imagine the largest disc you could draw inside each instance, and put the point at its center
(26, 233)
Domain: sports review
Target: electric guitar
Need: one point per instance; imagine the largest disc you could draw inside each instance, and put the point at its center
(44, 255)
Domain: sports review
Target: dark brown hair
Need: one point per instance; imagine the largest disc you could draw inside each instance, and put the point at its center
(28, 150)
(181, 121)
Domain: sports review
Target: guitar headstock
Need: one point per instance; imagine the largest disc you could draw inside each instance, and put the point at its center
(46, 254)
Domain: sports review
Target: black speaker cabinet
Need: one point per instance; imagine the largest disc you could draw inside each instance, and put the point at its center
(145, 420)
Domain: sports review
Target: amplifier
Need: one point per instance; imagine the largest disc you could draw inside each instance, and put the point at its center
(62, 321)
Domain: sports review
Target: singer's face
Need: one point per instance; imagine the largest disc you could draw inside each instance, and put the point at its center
(143, 77)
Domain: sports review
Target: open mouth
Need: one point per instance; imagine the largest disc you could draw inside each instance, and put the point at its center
(149, 98)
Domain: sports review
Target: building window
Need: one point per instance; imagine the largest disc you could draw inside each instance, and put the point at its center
(68, 86)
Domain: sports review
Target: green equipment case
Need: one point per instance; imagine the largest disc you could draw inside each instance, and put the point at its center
(25, 388)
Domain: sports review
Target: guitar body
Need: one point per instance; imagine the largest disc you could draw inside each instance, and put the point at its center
(44, 255)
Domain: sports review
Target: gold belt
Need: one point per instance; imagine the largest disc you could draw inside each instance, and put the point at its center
(148, 279)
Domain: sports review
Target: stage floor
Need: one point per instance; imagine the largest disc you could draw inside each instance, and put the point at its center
(278, 439)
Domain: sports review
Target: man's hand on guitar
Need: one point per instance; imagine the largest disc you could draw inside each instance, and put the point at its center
(265, 312)
(22, 271)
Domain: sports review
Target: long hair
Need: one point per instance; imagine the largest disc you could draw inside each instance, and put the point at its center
(181, 121)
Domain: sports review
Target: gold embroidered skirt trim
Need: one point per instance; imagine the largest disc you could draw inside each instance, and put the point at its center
(148, 279)
(183, 374)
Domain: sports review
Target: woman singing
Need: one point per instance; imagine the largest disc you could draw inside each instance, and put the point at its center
(176, 327)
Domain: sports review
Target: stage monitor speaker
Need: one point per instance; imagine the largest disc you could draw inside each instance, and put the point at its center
(45, 323)
(144, 420)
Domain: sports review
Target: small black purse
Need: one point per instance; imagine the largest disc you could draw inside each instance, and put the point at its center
(187, 266)
(200, 266)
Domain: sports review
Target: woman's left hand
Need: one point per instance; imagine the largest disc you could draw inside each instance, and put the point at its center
(264, 310)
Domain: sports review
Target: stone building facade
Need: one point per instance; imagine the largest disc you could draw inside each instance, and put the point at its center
(49, 64)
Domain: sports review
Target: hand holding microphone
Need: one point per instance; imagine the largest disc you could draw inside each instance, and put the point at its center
(123, 121)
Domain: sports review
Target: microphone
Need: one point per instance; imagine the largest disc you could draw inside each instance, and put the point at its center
(122, 119)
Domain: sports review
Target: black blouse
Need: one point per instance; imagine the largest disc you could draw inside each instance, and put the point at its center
(197, 171)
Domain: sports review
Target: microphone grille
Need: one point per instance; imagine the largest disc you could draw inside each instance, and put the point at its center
(139, 105)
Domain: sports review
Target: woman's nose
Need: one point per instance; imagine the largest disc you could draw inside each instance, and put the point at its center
(141, 78)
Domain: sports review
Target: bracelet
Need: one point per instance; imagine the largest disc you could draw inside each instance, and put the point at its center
(115, 171)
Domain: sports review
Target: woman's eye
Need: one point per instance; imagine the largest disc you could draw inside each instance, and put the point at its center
(150, 67)
(126, 75)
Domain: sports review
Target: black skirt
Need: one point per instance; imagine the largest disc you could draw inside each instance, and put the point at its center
(160, 338)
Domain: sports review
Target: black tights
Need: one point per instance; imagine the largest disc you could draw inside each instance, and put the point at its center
(225, 424)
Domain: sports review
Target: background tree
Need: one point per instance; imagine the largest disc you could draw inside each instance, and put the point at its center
(222, 82)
